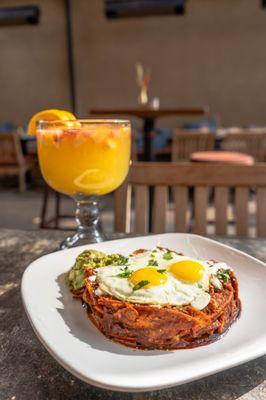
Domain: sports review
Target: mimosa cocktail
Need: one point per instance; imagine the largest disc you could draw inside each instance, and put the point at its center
(84, 159)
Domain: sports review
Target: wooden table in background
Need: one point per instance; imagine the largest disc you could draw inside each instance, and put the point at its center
(149, 117)
(27, 370)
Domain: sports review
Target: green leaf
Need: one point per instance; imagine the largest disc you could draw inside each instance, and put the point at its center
(167, 255)
(140, 285)
(121, 260)
(152, 263)
(161, 270)
(223, 275)
(126, 273)
(200, 286)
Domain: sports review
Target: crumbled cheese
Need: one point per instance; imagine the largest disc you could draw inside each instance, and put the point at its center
(220, 265)
(216, 282)
(201, 301)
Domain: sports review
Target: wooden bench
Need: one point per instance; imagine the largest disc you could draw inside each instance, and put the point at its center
(181, 177)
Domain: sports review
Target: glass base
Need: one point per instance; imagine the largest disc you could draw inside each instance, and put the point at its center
(82, 238)
(88, 225)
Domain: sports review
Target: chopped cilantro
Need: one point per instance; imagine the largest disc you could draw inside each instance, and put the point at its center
(223, 275)
(126, 273)
(153, 263)
(161, 270)
(121, 260)
(140, 285)
(167, 255)
(200, 286)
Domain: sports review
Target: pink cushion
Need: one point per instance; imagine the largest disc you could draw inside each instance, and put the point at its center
(223, 157)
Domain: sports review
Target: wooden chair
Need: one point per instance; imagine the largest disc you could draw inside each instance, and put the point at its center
(134, 153)
(200, 177)
(253, 143)
(12, 161)
(187, 142)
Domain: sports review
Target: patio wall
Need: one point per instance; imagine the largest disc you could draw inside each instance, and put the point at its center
(214, 55)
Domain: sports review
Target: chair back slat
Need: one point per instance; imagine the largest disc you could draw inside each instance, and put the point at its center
(180, 207)
(261, 212)
(200, 208)
(241, 210)
(190, 212)
(10, 149)
(252, 143)
(134, 153)
(160, 209)
(122, 207)
(220, 204)
(187, 142)
(141, 209)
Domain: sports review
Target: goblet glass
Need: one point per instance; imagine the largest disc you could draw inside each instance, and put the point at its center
(84, 159)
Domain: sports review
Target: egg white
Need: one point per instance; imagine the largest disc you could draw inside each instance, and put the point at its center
(174, 292)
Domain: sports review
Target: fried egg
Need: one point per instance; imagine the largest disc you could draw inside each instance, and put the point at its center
(159, 277)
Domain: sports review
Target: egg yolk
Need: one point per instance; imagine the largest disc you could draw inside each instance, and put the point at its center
(151, 275)
(187, 270)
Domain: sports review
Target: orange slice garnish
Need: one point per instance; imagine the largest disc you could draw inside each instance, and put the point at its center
(49, 115)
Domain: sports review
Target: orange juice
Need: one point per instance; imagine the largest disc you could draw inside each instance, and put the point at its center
(84, 157)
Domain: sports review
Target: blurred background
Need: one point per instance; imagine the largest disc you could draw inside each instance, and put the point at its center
(81, 56)
(213, 54)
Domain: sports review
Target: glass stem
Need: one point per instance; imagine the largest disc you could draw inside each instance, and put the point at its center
(87, 218)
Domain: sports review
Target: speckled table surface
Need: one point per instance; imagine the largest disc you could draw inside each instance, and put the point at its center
(28, 372)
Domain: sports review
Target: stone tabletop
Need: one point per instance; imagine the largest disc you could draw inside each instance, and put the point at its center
(28, 372)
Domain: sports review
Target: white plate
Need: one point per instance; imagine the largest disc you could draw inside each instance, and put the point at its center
(62, 326)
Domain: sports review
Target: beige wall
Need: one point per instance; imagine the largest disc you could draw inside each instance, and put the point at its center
(33, 72)
(214, 55)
